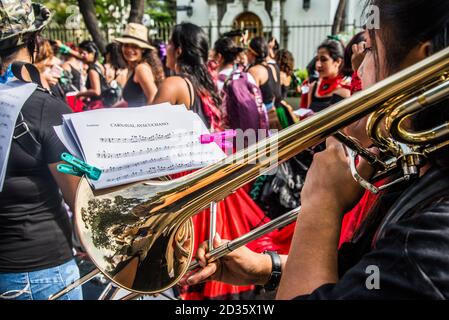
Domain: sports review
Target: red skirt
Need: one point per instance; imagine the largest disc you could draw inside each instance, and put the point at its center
(237, 214)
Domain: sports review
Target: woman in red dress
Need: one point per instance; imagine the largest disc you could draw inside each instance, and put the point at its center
(193, 86)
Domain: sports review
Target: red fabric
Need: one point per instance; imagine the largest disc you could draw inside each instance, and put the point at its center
(328, 85)
(356, 83)
(212, 113)
(237, 214)
(305, 95)
(212, 67)
(75, 104)
(94, 105)
(353, 219)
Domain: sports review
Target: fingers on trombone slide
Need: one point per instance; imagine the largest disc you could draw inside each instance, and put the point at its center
(205, 270)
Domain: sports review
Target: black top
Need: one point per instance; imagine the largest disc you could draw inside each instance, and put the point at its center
(284, 90)
(271, 89)
(57, 91)
(35, 232)
(133, 93)
(277, 86)
(409, 252)
(196, 105)
(320, 103)
(103, 83)
(76, 77)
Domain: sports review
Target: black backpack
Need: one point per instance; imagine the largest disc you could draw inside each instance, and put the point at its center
(110, 93)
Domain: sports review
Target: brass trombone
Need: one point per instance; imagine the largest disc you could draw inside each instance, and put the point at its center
(140, 236)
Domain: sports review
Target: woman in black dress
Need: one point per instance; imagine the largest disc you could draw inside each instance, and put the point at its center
(145, 71)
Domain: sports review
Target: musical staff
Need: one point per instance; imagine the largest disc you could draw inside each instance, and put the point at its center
(140, 138)
(135, 164)
(158, 171)
(136, 153)
(128, 151)
(5, 115)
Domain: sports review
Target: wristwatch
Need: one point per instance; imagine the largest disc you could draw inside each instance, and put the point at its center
(276, 271)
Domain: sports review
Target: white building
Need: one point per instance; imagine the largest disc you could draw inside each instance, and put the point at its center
(299, 25)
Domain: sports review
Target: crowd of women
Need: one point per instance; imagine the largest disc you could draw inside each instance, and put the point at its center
(325, 254)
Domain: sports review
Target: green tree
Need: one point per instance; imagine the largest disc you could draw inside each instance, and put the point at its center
(98, 15)
(60, 9)
(162, 11)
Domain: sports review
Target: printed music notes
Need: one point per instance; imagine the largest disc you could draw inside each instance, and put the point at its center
(135, 144)
(12, 98)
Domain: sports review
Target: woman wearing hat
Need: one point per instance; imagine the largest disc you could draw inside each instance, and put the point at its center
(145, 69)
(36, 258)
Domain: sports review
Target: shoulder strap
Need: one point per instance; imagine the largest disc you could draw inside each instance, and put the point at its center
(271, 72)
(104, 85)
(189, 87)
(98, 70)
(25, 138)
(236, 72)
(17, 68)
(22, 133)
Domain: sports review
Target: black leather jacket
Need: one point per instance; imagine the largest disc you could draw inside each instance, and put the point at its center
(410, 249)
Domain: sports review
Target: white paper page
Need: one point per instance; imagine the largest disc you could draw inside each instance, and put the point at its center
(142, 145)
(74, 142)
(68, 127)
(67, 140)
(68, 136)
(12, 98)
(301, 112)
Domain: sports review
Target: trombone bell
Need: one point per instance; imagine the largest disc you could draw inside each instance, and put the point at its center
(133, 252)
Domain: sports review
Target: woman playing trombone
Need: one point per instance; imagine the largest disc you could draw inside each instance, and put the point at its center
(403, 244)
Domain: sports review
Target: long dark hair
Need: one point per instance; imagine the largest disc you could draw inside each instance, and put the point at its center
(228, 49)
(115, 56)
(192, 61)
(259, 47)
(347, 67)
(152, 58)
(336, 50)
(404, 25)
(90, 47)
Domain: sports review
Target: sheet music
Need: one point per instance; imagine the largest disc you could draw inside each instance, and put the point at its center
(138, 143)
(65, 136)
(12, 98)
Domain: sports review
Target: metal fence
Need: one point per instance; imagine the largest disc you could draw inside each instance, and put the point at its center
(59, 32)
(302, 39)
